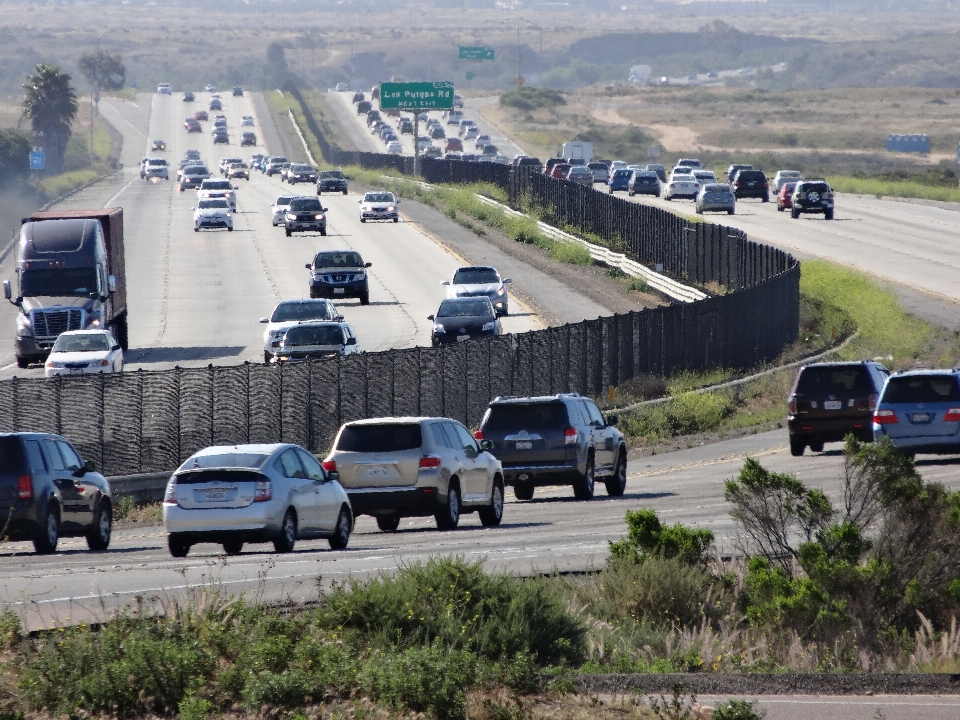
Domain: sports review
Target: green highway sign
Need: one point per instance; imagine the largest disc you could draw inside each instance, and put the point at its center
(470, 76)
(476, 53)
(416, 96)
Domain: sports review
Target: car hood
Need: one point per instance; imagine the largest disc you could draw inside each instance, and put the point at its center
(78, 357)
(207, 212)
(46, 303)
(467, 289)
(379, 205)
(469, 322)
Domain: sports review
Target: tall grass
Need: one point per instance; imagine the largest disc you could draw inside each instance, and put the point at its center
(893, 188)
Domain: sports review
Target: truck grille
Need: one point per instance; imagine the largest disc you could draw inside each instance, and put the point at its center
(338, 278)
(50, 323)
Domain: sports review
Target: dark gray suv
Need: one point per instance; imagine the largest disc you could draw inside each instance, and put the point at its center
(553, 440)
(48, 492)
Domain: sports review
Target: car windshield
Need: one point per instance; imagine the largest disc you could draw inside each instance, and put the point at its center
(58, 282)
(304, 310)
(389, 437)
(284, 200)
(225, 460)
(156, 161)
(195, 170)
(314, 335)
(306, 204)
(475, 276)
(213, 203)
(332, 174)
(525, 417)
(716, 189)
(217, 185)
(383, 197)
(833, 381)
(302, 168)
(88, 342)
(330, 259)
(464, 308)
(921, 389)
(789, 174)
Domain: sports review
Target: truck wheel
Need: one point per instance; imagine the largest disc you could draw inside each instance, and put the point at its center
(523, 490)
(365, 299)
(48, 532)
(617, 484)
(816, 445)
(121, 331)
(583, 486)
(22, 363)
(323, 232)
(388, 523)
(98, 536)
(797, 446)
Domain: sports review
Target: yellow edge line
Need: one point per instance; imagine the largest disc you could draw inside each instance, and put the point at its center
(458, 256)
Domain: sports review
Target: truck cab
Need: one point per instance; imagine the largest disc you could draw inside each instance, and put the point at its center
(69, 277)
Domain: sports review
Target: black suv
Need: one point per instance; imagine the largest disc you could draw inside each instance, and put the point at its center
(339, 273)
(751, 184)
(331, 181)
(304, 215)
(812, 196)
(552, 440)
(48, 492)
(830, 400)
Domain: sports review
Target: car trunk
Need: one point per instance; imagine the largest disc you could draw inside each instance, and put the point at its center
(920, 403)
(10, 470)
(210, 488)
(383, 455)
(836, 393)
(527, 434)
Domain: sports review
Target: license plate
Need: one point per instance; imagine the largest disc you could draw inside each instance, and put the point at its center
(76, 371)
(338, 291)
(524, 445)
(832, 405)
(376, 472)
(461, 338)
(212, 495)
(920, 417)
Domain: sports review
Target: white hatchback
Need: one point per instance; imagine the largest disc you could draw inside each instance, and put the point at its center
(84, 352)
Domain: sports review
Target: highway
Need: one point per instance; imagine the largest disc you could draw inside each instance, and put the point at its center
(196, 298)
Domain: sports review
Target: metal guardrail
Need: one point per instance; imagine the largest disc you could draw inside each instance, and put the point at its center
(145, 487)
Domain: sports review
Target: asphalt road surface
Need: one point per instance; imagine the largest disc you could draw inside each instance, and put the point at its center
(196, 298)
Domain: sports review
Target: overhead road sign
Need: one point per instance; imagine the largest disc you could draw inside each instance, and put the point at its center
(476, 53)
(416, 96)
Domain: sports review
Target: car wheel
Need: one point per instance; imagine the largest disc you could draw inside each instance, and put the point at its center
(23, 363)
(583, 486)
(492, 514)
(816, 445)
(48, 534)
(288, 232)
(288, 534)
(449, 516)
(267, 357)
(828, 215)
(323, 232)
(341, 533)
(233, 547)
(794, 214)
(618, 483)
(344, 192)
(363, 220)
(196, 229)
(523, 490)
(178, 548)
(779, 207)
(230, 229)
(765, 198)
(797, 446)
(730, 211)
(388, 523)
(98, 535)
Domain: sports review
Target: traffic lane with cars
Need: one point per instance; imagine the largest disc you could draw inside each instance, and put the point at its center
(551, 532)
(904, 242)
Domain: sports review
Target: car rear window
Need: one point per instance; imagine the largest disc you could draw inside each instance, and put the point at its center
(922, 389)
(9, 455)
(194, 477)
(815, 187)
(387, 437)
(524, 417)
(226, 459)
(750, 175)
(833, 381)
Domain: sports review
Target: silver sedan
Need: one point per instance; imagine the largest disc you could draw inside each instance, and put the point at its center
(254, 493)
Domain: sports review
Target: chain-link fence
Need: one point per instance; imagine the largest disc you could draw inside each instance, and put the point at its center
(150, 421)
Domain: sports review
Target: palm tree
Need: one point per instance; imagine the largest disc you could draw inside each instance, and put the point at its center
(51, 104)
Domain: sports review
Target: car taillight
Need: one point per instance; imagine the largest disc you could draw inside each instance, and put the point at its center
(478, 435)
(873, 401)
(792, 406)
(170, 496)
(570, 436)
(765, 184)
(736, 183)
(263, 491)
(330, 465)
(885, 417)
(24, 487)
(430, 461)
(953, 415)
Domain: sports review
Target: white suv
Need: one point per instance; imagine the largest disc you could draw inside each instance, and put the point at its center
(292, 312)
(164, 89)
(215, 188)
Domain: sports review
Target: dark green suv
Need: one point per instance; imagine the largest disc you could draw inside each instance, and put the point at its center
(555, 440)
(812, 196)
(48, 492)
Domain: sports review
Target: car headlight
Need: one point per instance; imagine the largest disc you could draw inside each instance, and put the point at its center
(365, 208)
(291, 216)
(438, 328)
(94, 322)
(490, 326)
(319, 217)
(361, 276)
(501, 290)
(391, 208)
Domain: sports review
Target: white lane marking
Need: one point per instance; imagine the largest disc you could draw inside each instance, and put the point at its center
(7, 367)
(109, 203)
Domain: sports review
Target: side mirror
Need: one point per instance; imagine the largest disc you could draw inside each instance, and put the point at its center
(89, 466)
(507, 280)
(612, 420)
(486, 445)
(7, 291)
(351, 341)
(115, 348)
(398, 201)
(112, 283)
(445, 282)
(359, 202)
(368, 265)
(307, 266)
(264, 320)
(430, 317)
(333, 475)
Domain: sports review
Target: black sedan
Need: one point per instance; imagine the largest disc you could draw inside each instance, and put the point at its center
(460, 319)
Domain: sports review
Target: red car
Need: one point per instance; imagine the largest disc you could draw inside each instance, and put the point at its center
(560, 170)
(201, 115)
(785, 196)
(453, 145)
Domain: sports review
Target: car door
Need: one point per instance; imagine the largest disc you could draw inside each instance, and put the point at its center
(304, 494)
(604, 450)
(475, 480)
(74, 512)
(328, 504)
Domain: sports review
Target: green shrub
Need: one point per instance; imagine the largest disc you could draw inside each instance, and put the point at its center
(571, 252)
(684, 414)
(737, 710)
(529, 98)
(638, 283)
(646, 535)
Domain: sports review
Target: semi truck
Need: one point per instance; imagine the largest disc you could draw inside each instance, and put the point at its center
(70, 276)
(577, 150)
